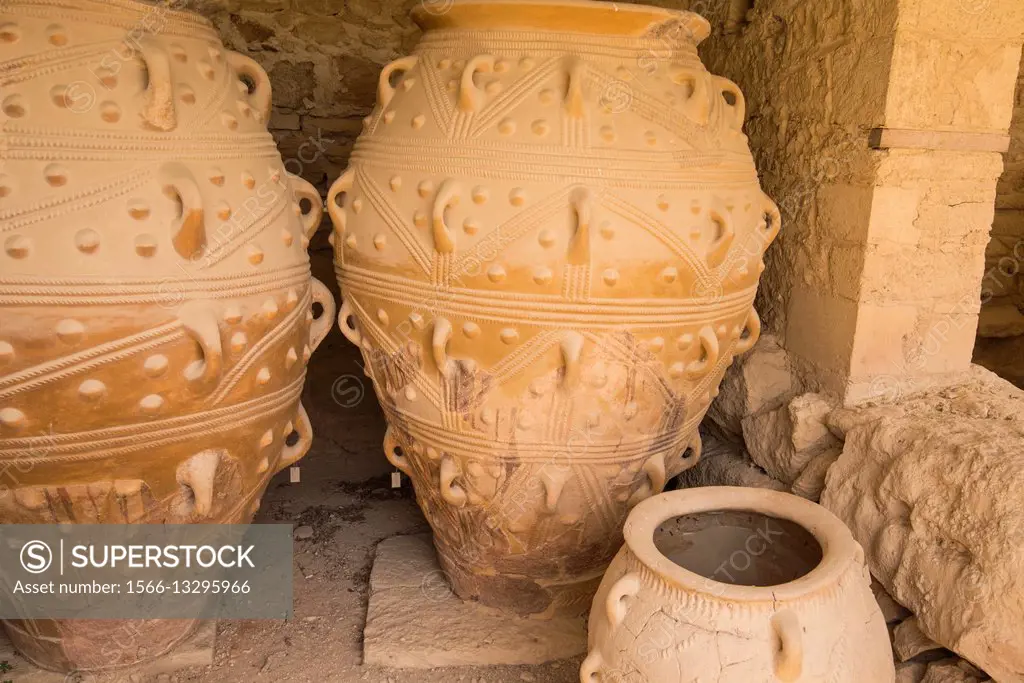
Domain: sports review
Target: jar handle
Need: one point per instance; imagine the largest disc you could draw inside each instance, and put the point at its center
(158, 110)
(772, 221)
(789, 662)
(200, 322)
(292, 454)
(583, 207)
(343, 184)
(304, 190)
(321, 326)
(447, 195)
(738, 108)
(572, 349)
(452, 493)
(718, 249)
(615, 606)
(439, 345)
(350, 331)
(469, 94)
(709, 346)
(262, 94)
(753, 329)
(401, 462)
(384, 90)
(188, 233)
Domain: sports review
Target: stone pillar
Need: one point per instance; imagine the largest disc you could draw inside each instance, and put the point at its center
(877, 126)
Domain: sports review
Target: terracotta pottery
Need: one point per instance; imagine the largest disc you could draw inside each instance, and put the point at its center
(155, 291)
(736, 585)
(549, 251)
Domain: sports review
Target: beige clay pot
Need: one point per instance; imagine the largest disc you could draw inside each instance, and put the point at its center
(548, 246)
(736, 585)
(155, 291)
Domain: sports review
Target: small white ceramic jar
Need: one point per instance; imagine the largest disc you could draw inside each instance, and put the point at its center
(736, 585)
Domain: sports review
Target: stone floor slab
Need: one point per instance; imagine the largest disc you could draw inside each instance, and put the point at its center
(414, 621)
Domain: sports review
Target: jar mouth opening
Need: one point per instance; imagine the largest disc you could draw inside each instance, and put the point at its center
(723, 541)
(739, 547)
(566, 16)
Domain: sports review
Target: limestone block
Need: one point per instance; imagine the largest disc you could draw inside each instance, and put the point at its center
(908, 641)
(785, 440)
(892, 611)
(760, 379)
(811, 481)
(415, 621)
(931, 489)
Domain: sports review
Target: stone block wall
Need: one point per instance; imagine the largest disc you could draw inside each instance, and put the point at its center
(1004, 283)
(323, 58)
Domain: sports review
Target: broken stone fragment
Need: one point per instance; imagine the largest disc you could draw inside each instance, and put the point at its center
(910, 672)
(892, 611)
(931, 491)
(758, 381)
(785, 440)
(908, 641)
(953, 670)
(811, 481)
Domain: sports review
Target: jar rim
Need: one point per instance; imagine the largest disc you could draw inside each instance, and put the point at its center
(564, 16)
(838, 546)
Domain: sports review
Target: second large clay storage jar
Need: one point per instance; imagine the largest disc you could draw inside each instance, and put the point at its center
(549, 240)
(155, 291)
(736, 585)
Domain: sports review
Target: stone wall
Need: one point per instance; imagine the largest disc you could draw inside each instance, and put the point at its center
(1005, 257)
(323, 58)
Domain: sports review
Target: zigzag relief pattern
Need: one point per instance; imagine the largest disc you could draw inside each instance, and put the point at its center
(543, 310)
(67, 367)
(258, 351)
(382, 343)
(512, 97)
(56, 205)
(30, 67)
(179, 24)
(393, 219)
(625, 170)
(128, 439)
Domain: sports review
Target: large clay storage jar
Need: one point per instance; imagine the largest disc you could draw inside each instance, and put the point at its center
(736, 585)
(549, 247)
(155, 292)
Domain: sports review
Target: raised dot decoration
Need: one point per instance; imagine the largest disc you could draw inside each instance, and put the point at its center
(70, 331)
(87, 241)
(57, 35)
(14, 106)
(91, 390)
(151, 404)
(17, 246)
(156, 365)
(145, 245)
(9, 33)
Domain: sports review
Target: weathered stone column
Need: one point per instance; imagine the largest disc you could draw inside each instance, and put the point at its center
(878, 126)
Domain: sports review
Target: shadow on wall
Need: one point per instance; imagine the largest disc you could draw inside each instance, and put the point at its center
(1000, 343)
